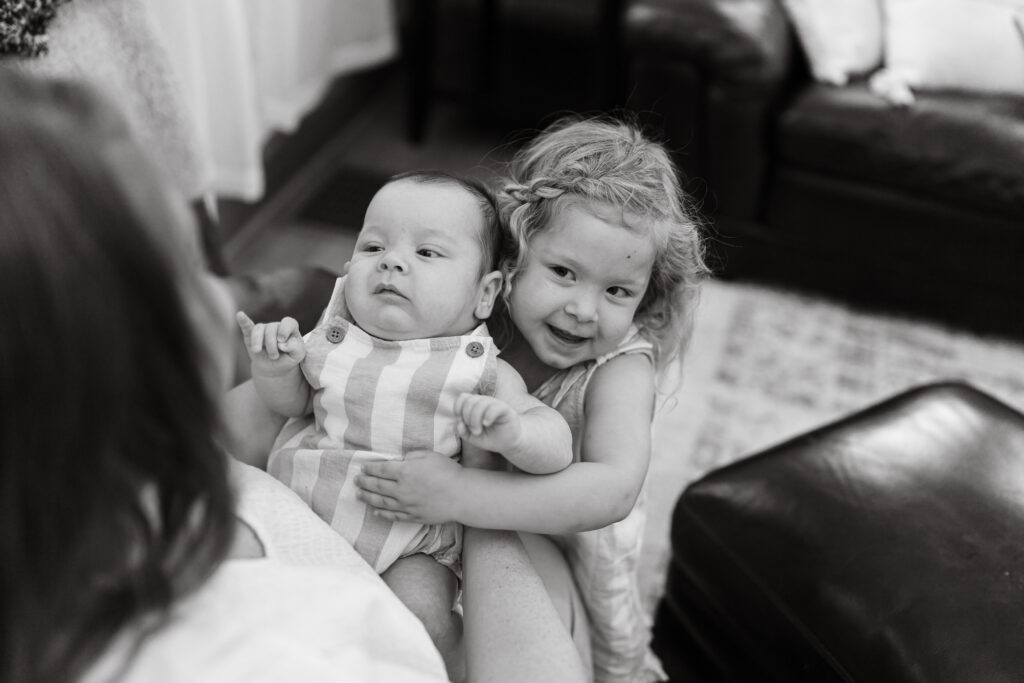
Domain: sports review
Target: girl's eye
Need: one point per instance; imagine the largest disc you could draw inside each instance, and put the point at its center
(620, 292)
(561, 271)
(428, 253)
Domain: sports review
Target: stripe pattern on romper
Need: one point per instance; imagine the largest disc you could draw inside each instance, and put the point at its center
(375, 399)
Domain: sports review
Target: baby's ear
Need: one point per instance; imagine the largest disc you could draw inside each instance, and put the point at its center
(487, 293)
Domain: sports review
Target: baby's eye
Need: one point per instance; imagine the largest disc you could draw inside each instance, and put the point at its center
(372, 248)
(561, 271)
(428, 253)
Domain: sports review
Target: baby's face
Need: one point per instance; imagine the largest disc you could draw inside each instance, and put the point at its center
(416, 269)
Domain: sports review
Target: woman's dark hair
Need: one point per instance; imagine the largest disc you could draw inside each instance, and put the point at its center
(114, 499)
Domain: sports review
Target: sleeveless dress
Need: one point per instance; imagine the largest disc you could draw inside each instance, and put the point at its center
(604, 561)
(375, 399)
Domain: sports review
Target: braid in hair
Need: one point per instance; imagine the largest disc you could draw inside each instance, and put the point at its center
(601, 161)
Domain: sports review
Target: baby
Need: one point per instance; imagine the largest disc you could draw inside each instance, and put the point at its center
(401, 362)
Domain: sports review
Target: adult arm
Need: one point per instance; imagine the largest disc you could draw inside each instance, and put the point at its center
(512, 632)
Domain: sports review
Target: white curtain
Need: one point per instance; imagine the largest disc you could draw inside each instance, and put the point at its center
(252, 67)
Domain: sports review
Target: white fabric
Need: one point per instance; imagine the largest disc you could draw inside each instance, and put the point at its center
(253, 67)
(842, 38)
(312, 610)
(117, 46)
(972, 45)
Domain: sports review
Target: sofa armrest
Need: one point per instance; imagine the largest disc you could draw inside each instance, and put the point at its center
(709, 74)
(734, 42)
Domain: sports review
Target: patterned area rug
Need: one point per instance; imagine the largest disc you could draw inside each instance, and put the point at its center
(767, 364)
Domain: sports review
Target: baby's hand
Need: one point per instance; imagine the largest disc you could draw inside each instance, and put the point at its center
(488, 423)
(274, 348)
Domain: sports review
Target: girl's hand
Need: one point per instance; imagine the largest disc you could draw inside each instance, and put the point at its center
(422, 488)
(488, 423)
(274, 348)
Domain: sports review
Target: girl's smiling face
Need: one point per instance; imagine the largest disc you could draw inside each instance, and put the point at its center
(580, 286)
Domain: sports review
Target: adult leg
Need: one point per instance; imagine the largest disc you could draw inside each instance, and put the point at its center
(513, 632)
(428, 589)
(552, 567)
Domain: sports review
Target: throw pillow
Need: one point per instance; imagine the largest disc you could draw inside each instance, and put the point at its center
(971, 45)
(842, 38)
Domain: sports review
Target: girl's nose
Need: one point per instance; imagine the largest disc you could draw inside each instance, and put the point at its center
(583, 308)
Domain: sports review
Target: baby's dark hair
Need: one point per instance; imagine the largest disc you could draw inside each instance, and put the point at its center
(491, 235)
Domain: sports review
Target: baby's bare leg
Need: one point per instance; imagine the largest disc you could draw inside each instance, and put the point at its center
(428, 589)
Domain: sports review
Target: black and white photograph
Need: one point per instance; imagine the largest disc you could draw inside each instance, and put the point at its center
(511, 341)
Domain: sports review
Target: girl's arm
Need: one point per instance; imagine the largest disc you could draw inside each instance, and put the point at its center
(602, 489)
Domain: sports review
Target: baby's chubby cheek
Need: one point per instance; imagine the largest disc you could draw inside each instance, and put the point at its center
(347, 303)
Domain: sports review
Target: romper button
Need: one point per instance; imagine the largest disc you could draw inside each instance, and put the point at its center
(474, 349)
(335, 335)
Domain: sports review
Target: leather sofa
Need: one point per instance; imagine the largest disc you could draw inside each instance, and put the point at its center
(887, 546)
(919, 209)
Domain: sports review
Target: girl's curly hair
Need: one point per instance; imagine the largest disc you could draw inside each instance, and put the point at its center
(610, 163)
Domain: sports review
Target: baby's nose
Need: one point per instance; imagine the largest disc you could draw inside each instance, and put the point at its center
(392, 261)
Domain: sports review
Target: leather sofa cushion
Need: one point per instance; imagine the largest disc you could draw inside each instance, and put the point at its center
(962, 150)
(888, 546)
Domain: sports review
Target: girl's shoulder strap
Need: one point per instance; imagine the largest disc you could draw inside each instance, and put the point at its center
(633, 342)
(573, 381)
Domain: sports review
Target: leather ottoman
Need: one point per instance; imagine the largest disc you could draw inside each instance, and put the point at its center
(887, 546)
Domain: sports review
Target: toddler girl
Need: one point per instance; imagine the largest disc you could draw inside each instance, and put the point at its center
(601, 288)
(399, 362)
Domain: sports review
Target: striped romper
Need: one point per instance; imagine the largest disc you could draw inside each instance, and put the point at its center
(375, 399)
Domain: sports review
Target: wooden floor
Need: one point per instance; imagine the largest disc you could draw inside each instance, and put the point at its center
(372, 145)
